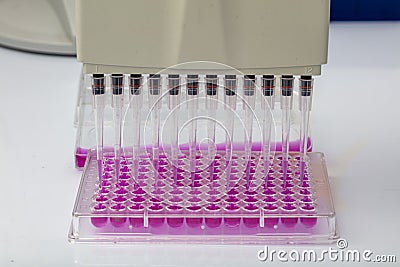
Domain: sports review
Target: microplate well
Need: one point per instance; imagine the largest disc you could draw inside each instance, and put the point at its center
(160, 206)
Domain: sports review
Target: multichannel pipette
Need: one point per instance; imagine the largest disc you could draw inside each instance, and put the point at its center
(268, 104)
(117, 85)
(192, 85)
(155, 105)
(98, 91)
(305, 102)
(230, 104)
(173, 104)
(286, 106)
(190, 196)
(249, 100)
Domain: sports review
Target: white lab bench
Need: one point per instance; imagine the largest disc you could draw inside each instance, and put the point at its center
(355, 122)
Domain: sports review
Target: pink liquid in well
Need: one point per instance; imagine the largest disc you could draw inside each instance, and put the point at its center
(136, 222)
(101, 199)
(120, 199)
(271, 222)
(118, 222)
(308, 221)
(289, 222)
(287, 191)
(99, 222)
(80, 157)
(138, 199)
(251, 222)
(194, 222)
(213, 222)
(241, 198)
(103, 191)
(270, 199)
(121, 192)
(125, 169)
(156, 222)
(175, 222)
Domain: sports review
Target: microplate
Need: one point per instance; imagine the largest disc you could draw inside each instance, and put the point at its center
(222, 202)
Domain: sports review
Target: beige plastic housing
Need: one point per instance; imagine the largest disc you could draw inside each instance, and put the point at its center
(252, 36)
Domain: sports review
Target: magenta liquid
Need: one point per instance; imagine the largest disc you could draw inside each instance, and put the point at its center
(174, 200)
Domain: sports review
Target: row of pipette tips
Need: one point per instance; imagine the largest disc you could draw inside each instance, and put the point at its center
(230, 86)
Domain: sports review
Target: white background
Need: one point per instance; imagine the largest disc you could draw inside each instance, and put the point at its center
(356, 123)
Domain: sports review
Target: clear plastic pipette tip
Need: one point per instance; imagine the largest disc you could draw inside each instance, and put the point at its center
(248, 106)
(286, 106)
(268, 90)
(98, 91)
(135, 86)
(192, 85)
(174, 83)
(155, 105)
(211, 102)
(305, 101)
(230, 104)
(117, 85)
